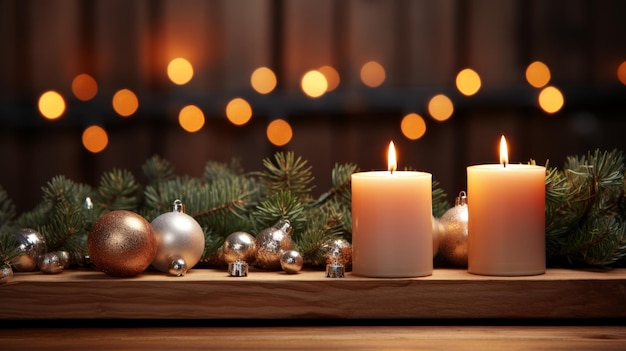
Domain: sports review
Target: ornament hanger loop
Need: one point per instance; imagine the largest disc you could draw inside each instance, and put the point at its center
(461, 199)
(178, 206)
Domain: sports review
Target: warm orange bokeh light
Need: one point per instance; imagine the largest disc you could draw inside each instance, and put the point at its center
(468, 82)
(504, 152)
(238, 111)
(95, 139)
(440, 107)
(372, 74)
(314, 84)
(51, 105)
(537, 74)
(392, 162)
(332, 77)
(180, 71)
(191, 118)
(621, 72)
(279, 132)
(413, 126)
(84, 87)
(263, 80)
(551, 99)
(125, 102)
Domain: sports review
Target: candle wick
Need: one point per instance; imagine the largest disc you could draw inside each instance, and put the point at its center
(504, 164)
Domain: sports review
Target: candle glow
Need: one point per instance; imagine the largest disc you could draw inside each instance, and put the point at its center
(504, 152)
(392, 163)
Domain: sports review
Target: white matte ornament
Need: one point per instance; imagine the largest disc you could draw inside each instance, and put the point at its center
(180, 241)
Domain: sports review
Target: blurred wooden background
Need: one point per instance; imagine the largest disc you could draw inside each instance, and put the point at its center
(422, 45)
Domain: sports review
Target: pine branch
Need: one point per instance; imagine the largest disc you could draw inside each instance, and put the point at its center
(157, 170)
(117, 190)
(288, 173)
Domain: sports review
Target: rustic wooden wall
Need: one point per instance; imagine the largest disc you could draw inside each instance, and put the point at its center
(422, 45)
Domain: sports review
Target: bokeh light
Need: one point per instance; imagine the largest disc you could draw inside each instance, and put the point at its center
(468, 82)
(372, 74)
(263, 80)
(125, 102)
(95, 139)
(413, 126)
(332, 77)
(621, 72)
(84, 87)
(238, 111)
(279, 132)
(180, 71)
(551, 99)
(314, 84)
(537, 74)
(191, 118)
(51, 104)
(440, 107)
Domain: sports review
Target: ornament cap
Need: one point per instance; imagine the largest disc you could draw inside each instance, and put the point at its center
(178, 206)
(335, 270)
(284, 225)
(461, 200)
(178, 267)
(238, 269)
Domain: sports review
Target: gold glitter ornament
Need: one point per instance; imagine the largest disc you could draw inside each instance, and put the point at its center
(121, 244)
(453, 242)
(271, 243)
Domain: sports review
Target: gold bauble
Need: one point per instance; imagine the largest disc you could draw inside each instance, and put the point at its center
(121, 243)
(453, 242)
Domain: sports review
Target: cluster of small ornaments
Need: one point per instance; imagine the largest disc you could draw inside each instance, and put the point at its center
(271, 249)
(32, 255)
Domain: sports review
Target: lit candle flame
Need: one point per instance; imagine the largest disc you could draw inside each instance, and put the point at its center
(392, 164)
(504, 152)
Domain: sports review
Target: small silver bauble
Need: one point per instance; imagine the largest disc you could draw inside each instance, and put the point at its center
(291, 261)
(179, 237)
(31, 244)
(51, 262)
(453, 243)
(338, 251)
(239, 246)
(6, 273)
(271, 243)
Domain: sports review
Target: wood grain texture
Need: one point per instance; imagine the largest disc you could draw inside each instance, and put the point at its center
(379, 337)
(212, 294)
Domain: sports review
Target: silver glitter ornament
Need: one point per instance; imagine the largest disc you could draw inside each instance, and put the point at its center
(31, 244)
(239, 246)
(6, 273)
(179, 237)
(271, 243)
(53, 262)
(338, 251)
(291, 261)
(453, 242)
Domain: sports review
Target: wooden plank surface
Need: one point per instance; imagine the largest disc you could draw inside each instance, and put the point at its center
(212, 294)
(399, 337)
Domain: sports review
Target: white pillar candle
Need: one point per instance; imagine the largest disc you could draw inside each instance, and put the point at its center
(392, 223)
(506, 223)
